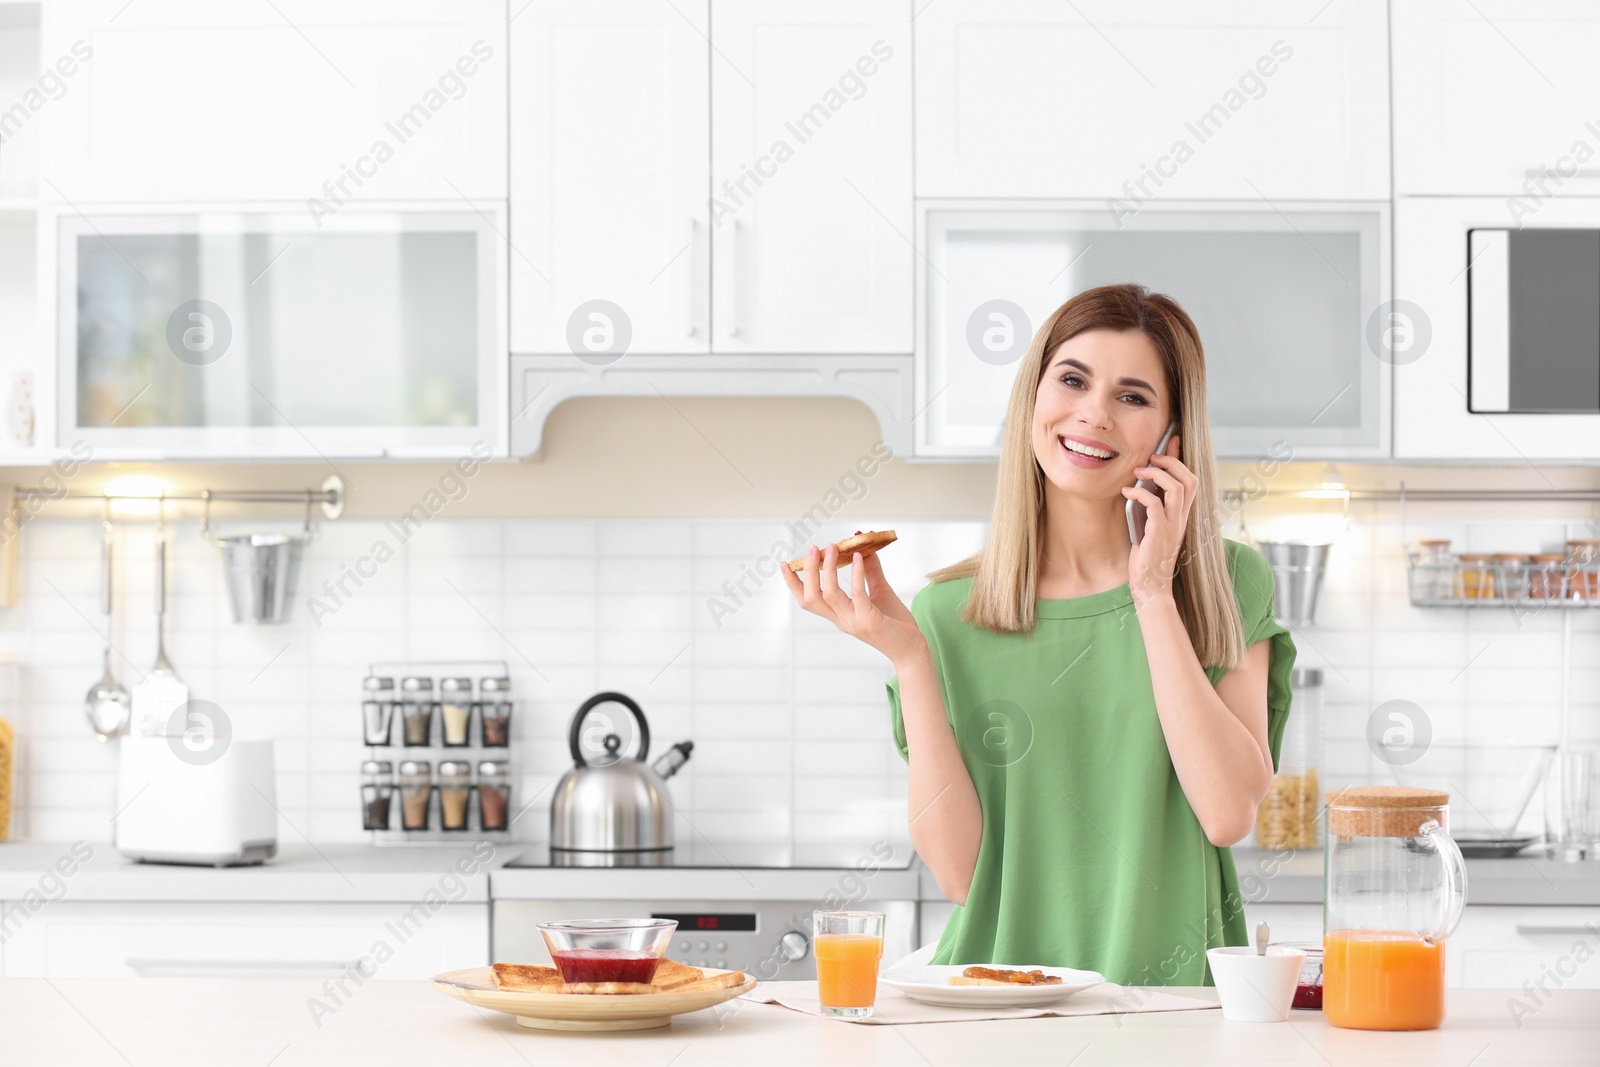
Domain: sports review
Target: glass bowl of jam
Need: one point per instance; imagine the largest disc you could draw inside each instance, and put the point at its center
(608, 950)
(1308, 990)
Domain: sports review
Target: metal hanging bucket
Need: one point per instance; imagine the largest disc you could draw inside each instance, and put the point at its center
(260, 570)
(1297, 569)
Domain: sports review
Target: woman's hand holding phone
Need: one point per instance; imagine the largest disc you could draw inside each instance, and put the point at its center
(1154, 559)
(870, 612)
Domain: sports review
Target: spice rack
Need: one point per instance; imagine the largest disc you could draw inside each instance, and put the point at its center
(438, 737)
(1553, 580)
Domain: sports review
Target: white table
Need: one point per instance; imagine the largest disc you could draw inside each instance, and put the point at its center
(254, 1023)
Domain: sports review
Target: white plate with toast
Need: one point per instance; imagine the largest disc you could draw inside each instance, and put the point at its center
(541, 1010)
(930, 984)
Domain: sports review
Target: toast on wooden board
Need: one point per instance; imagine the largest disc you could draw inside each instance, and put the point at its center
(670, 977)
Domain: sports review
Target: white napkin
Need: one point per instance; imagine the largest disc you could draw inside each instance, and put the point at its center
(894, 1007)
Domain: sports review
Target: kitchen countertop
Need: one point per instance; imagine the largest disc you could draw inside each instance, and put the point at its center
(327, 873)
(258, 1022)
(358, 872)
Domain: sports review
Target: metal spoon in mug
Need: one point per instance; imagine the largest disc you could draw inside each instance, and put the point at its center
(107, 704)
(1262, 933)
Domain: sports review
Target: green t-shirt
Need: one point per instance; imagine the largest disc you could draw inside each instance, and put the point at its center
(1091, 855)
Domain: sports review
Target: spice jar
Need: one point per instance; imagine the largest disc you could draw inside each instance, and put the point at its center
(1477, 576)
(1547, 576)
(1511, 575)
(377, 710)
(494, 794)
(377, 792)
(416, 790)
(1287, 818)
(455, 710)
(494, 711)
(1436, 571)
(455, 788)
(416, 707)
(1583, 578)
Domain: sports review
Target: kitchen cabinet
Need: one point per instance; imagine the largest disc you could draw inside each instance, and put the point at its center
(1496, 98)
(746, 189)
(610, 171)
(811, 209)
(210, 334)
(318, 102)
(1506, 947)
(1251, 100)
(1281, 295)
(188, 939)
(1429, 322)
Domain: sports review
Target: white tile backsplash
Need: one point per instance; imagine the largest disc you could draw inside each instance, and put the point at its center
(692, 620)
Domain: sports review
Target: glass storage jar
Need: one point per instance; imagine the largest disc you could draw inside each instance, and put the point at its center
(455, 790)
(494, 794)
(1547, 576)
(1477, 576)
(1436, 575)
(494, 711)
(1287, 818)
(1583, 577)
(1395, 885)
(455, 711)
(377, 710)
(377, 794)
(1511, 575)
(416, 790)
(417, 708)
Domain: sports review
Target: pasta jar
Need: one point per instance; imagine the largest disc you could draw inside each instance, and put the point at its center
(455, 711)
(1287, 818)
(1395, 889)
(416, 709)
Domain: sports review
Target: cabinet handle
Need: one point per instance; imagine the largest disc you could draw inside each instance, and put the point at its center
(688, 303)
(733, 281)
(144, 964)
(1553, 928)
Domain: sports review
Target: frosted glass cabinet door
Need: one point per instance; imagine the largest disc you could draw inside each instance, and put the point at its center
(1282, 302)
(267, 335)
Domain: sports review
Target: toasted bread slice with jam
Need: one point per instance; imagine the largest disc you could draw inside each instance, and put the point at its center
(1003, 976)
(864, 543)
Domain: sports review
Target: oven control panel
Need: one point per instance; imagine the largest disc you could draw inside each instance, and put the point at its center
(770, 939)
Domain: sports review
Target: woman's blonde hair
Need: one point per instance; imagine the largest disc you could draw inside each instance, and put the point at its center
(1006, 570)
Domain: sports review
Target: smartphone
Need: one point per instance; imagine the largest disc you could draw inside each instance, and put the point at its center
(1136, 509)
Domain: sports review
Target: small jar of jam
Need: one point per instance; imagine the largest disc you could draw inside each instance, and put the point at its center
(1308, 989)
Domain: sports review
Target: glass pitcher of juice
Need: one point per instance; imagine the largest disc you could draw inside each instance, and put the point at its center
(1395, 887)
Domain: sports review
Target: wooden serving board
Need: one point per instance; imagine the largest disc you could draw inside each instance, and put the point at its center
(579, 1011)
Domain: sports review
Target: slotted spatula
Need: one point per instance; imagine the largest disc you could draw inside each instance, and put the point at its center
(162, 691)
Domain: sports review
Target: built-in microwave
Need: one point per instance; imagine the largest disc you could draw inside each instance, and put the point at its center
(265, 332)
(1533, 320)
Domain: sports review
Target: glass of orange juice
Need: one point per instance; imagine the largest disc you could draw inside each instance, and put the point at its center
(848, 946)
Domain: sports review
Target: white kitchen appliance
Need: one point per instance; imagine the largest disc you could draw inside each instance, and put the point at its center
(207, 799)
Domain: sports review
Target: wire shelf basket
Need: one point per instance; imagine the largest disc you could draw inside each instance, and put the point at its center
(1528, 586)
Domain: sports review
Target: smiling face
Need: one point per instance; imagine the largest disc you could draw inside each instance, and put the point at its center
(1101, 409)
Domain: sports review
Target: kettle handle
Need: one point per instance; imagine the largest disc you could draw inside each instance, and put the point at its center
(576, 732)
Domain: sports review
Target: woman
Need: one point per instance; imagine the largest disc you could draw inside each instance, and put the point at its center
(1088, 723)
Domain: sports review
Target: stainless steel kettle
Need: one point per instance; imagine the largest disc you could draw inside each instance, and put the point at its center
(620, 805)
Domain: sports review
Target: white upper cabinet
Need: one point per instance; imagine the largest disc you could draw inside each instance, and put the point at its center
(329, 101)
(1496, 97)
(811, 197)
(1156, 100)
(610, 168)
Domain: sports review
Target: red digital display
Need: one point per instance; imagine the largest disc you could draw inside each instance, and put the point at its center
(737, 923)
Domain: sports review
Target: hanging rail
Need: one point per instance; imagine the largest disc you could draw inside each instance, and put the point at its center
(1409, 495)
(331, 496)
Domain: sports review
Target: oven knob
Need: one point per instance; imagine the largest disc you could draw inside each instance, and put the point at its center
(683, 946)
(703, 946)
(722, 965)
(794, 946)
(722, 946)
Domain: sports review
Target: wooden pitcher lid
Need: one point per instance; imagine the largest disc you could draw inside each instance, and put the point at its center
(1383, 810)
